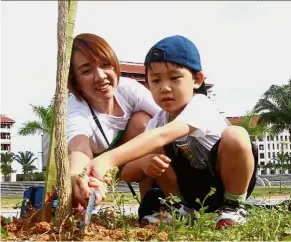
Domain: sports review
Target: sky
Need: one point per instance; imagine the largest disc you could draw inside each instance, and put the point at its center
(244, 47)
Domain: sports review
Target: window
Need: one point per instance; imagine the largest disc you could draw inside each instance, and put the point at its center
(269, 155)
(286, 138)
(273, 172)
(281, 138)
(268, 146)
(262, 163)
(278, 146)
(262, 156)
(277, 138)
(273, 154)
(261, 147)
(268, 138)
(263, 172)
(272, 138)
(273, 146)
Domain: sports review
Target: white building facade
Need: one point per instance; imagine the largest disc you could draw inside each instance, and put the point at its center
(5, 140)
(269, 147)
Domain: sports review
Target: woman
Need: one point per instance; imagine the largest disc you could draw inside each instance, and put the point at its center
(122, 105)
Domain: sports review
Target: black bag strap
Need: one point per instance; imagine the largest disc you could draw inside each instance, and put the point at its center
(110, 147)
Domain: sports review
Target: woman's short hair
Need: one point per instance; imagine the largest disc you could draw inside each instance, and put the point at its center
(95, 49)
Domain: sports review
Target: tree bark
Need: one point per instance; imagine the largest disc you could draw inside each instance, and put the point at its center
(65, 34)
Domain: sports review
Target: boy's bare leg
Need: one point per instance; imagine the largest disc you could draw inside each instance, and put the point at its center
(144, 185)
(235, 160)
(167, 183)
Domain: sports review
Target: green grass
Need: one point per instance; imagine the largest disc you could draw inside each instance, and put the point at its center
(263, 225)
(9, 202)
(127, 198)
(271, 191)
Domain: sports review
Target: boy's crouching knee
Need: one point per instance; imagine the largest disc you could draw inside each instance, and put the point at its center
(236, 138)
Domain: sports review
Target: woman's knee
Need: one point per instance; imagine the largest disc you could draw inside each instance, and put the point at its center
(236, 138)
(137, 123)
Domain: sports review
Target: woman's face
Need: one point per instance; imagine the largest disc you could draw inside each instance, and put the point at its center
(96, 83)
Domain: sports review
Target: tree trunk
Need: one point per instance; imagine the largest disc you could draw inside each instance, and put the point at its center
(281, 172)
(65, 35)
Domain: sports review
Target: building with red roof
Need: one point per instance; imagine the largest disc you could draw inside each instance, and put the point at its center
(136, 70)
(5, 132)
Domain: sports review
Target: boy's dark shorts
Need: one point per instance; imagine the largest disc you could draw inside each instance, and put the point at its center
(194, 183)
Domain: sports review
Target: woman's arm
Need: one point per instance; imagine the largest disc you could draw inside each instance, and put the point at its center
(80, 154)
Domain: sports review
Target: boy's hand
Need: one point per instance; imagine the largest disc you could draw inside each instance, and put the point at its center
(156, 166)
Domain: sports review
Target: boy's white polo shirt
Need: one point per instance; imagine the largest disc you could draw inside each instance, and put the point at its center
(201, 114)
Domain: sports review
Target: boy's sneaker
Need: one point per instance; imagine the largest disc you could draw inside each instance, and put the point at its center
(156, 218)
(181, 211)
(229, 214)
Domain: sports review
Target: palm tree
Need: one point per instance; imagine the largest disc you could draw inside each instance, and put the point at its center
(45, 114)
(251, 125)
(26, 160)
(66, 20)
(6, 164)
(281, 161)
(275, 107)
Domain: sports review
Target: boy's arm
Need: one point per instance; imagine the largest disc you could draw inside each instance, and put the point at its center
(138, 147)
(134, 171)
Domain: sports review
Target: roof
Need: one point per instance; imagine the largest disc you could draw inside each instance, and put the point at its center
(5, 119)
(237, 120)
(132, 68)
(138, 68)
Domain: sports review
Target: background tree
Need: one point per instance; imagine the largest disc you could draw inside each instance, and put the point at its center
(26, 159)
(6, 165)
(275, 108)
(281, 161)
(43, 125)
(255, 129)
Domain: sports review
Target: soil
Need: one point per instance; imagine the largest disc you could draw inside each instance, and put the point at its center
(107, 225)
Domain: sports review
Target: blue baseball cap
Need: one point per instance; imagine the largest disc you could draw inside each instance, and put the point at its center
(177, 49)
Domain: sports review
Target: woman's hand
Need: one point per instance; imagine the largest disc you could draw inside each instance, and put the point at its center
(156, 165)
(82, 185)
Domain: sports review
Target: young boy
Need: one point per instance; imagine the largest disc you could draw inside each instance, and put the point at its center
(188, 147)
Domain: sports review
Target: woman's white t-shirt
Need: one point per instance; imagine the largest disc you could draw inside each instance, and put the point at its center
(200, 113)
(130, 95)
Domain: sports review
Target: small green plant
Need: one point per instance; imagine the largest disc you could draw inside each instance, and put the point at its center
(118, 199)
(4, 233)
